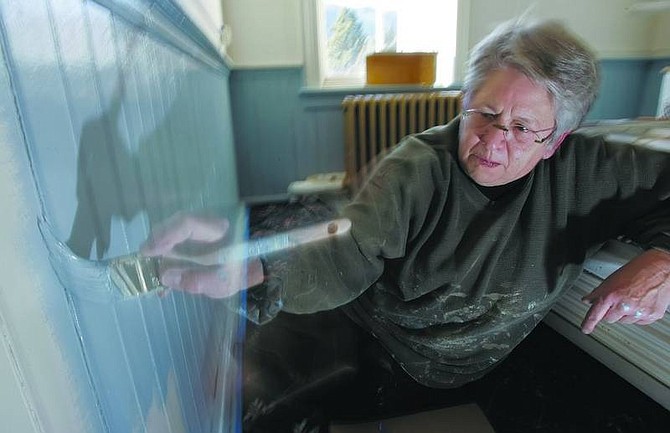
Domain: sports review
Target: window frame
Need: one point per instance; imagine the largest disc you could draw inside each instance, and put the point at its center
(314, 37)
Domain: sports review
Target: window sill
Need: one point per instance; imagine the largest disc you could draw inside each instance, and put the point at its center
(369, 89)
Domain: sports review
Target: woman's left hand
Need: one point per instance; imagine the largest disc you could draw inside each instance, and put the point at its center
(639, 292)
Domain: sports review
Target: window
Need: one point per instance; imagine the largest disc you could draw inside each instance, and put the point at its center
(341, 33)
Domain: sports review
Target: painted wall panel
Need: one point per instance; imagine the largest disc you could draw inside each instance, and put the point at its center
(652, 87)
(322, 125)
(14, 411)
(36, 345)
(121, 118)
(267, 121)
(37, 78)
(614, 99)
(109, 367)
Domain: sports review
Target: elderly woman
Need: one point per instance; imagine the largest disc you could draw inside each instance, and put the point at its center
(465, 235)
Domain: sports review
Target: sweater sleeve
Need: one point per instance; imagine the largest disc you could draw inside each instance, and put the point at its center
(387, 211)
(624, 190)
(653, 229)
(650, 224)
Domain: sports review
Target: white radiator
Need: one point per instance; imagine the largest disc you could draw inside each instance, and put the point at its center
(639, 354)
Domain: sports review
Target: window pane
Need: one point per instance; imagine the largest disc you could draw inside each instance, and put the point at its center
(349, 39)
(356, 28)
(390, 21)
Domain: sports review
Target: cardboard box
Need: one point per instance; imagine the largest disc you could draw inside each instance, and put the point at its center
(401, 68)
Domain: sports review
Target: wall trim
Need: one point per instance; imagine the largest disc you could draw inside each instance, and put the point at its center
(251, 67)
(370, 90)
(311, 11)
(165, 20)
(462, 39)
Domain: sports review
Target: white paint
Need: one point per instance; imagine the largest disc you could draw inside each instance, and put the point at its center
(264, 33)
(268, 34)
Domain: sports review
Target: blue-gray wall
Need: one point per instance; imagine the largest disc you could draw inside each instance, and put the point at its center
(629, 88)
(281, 134)
(284, 133)
(117, 114)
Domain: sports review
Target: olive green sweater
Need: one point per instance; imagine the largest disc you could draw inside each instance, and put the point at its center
(450, 281)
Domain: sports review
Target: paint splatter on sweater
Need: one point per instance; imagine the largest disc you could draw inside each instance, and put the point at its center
(448, 278)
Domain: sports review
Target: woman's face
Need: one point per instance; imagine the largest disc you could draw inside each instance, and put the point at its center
(492, 157)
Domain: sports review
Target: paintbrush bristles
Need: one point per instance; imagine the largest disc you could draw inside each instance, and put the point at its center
(135, 274)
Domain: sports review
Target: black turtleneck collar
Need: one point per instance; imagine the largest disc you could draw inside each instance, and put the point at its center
(493, 193)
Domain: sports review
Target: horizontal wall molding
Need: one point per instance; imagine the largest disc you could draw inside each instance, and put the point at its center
(369, 90)
(250, 67)
(166, 21)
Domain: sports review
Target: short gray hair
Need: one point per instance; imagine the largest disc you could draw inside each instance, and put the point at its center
(547, 53)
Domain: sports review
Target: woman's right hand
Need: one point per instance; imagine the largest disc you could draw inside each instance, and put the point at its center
(197, 269)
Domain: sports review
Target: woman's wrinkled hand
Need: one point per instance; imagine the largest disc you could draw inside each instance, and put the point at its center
(639, 292)
(189, 248)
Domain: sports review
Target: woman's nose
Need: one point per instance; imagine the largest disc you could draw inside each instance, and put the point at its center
(496, 136)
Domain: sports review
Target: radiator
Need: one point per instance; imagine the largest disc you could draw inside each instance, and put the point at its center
(375, 123)
(639, 354)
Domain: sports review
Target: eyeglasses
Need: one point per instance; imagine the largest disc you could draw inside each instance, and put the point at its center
(481, 119)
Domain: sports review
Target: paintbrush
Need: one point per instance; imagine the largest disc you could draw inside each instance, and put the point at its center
(135, 274)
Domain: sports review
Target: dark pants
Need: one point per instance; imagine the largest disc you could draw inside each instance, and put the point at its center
(314, 368)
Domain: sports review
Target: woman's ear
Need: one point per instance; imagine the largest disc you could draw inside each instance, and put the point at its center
(549, 152)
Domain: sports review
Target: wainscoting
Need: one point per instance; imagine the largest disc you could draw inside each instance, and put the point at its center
(629, 88)
(282, 135)
(115, 114)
